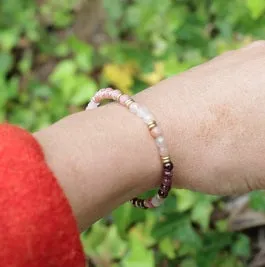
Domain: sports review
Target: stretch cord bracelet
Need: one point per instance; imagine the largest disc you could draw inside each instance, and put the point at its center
(156, 133)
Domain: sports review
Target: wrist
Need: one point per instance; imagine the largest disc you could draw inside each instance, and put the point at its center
(183, 118)
(101, 159)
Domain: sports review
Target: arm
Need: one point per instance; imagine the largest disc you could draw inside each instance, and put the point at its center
(213, 120)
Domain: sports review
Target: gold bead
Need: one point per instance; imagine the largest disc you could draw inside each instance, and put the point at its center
(166, 159)
(151, 125)
(129, 102)
(118, 97)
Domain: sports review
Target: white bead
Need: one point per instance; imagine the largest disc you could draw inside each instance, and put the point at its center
(142, 112)
(160, 141)
(92, 105)
(157, 201)
(148, 118)
(117, 92)
(134, 108)
(145, 114)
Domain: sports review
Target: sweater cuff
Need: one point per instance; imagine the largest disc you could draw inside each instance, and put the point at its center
(37, 226)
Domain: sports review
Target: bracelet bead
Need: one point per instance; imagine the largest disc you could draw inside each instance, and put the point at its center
(162, 193)
(157, 201)
(168, 166)
(155, 131)
(167, 181)
(151, 125)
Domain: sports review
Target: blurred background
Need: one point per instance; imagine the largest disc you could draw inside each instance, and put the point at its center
(54, 55)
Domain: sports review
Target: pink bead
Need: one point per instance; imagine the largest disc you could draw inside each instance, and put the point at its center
(116, 92)
(102, 91)
(123, 99)
(163, 151)
(148, 203)
(106, 94)
(97, 98)
(105, 90)
(156, 132)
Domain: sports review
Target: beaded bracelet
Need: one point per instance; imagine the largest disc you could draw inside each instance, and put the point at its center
(156, 133)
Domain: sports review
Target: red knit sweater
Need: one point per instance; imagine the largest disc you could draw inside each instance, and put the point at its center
(37, 227)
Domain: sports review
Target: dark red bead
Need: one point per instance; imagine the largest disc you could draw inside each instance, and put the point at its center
(168, 166)
(168, 173)
(165, 187)
(143, 205)
(162, 193)
(133, 201)
(167, 181)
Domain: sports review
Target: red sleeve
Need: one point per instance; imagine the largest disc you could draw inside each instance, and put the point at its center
(37, 227)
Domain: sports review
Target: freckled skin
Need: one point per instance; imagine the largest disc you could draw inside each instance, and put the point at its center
(219, 112)
(221, 118)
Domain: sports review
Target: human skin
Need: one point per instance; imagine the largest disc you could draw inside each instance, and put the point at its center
(213, 119)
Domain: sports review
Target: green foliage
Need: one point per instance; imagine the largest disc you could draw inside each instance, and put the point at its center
(257, 200)
(256, 7)
(148, 41)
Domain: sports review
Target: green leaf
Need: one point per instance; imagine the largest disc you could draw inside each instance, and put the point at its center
(84, 89)
(185, 199)
(26, 62)
(83, 53)
(8, 38)
(257, 200)
(13, 87)
(6, 61)
(221, 225)
(42, 91)
(201, 213)
(23, 116)
(112, 247)
(62, 49)
(93, 238)
(167, 248)
(145, 230)
(3, 95)
(138, 255)
(241, 247)
(256, 7)
(84, 61)
(227, 260)
(178, 227)
(188, 263)
(122, 217)
(63, 71)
